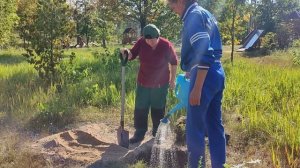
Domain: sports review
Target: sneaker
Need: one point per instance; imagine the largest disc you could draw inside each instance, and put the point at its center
(136, 139)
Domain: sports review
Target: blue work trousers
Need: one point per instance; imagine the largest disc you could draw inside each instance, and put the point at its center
(207, 118)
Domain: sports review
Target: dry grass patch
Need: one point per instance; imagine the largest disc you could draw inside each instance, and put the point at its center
(14, 153)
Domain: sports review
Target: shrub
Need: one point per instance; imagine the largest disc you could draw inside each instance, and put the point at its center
(296, 43)
(269, 43)
(296, 57)
(296, 52)
(284, 32)
(56, 113)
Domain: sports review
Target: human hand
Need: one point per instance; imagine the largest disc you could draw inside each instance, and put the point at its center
(187, 75)
(124, 54)
(195, 97)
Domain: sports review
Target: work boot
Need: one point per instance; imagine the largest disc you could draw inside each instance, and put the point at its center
(154, 131)
(140, 125)
(137, 137)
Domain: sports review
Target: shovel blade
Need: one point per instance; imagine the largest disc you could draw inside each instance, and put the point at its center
(123, 137)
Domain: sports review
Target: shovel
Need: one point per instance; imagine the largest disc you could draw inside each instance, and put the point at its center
(122, 134)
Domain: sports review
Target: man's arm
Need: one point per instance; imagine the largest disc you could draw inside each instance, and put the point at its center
(195, 96)
(198, 35)
(133, 52)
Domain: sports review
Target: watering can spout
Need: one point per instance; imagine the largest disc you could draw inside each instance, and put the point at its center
(165, 120)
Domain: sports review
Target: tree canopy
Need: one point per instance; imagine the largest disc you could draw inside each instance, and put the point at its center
(104, 21)
(8, 19)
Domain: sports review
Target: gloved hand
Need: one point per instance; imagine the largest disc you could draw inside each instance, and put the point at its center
(123, 52)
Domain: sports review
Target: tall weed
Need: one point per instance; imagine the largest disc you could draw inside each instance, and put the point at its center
(268, 99)
(13, 153)
(296, 52)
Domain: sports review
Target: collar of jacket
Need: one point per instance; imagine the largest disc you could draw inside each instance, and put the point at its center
(187, 9)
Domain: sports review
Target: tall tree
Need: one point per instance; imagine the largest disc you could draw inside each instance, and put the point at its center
(142, 11)
(253, 14)
(83, 10)
(272, 12)
(169, 24)
(236, 6)
(104, 18)
(8, 18)
(234, 22)
(51, 26)
(266, 15)
(27, 14)
(214, 6)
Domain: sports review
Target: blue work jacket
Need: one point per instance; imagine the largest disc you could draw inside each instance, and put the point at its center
(201, 41)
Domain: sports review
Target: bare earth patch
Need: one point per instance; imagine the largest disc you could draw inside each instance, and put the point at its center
(93, 144)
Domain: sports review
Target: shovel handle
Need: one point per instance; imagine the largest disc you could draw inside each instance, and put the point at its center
(124, 60)
(123, 96)
(122, 124)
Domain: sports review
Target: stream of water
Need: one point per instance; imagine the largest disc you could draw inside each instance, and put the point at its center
(163, 153)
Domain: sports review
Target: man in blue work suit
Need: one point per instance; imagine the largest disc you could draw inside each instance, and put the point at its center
(200, 57)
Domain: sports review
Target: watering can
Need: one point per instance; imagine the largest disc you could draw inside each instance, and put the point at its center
(182, 94)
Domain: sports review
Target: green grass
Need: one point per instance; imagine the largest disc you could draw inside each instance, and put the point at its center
(18, 82)
(265, 91)
(267, 97)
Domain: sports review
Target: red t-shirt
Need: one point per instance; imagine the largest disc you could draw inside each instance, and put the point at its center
(154, 63)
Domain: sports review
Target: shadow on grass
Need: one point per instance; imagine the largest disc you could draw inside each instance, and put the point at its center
(16, 92)
(9, 59)
(254, 54)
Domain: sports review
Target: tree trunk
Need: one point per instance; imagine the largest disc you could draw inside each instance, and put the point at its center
(87, 38)
(24, 42)
(103, 43)
(143, 23)
(232, 33)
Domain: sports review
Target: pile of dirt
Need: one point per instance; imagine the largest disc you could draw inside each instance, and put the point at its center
(93, 144)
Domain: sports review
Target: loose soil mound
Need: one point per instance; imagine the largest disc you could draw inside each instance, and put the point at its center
(94, 144)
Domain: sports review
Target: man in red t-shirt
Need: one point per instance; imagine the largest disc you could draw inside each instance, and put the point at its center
(158, 64)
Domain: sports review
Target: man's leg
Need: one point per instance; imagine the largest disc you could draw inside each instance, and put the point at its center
(158, 103)
(214, 125)
(216, 134)
(140, 125)
(156, 115)
(142, 102)
(195, 134)
(196, 124)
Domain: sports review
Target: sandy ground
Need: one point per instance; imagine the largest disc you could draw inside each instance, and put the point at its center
(84, 146)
